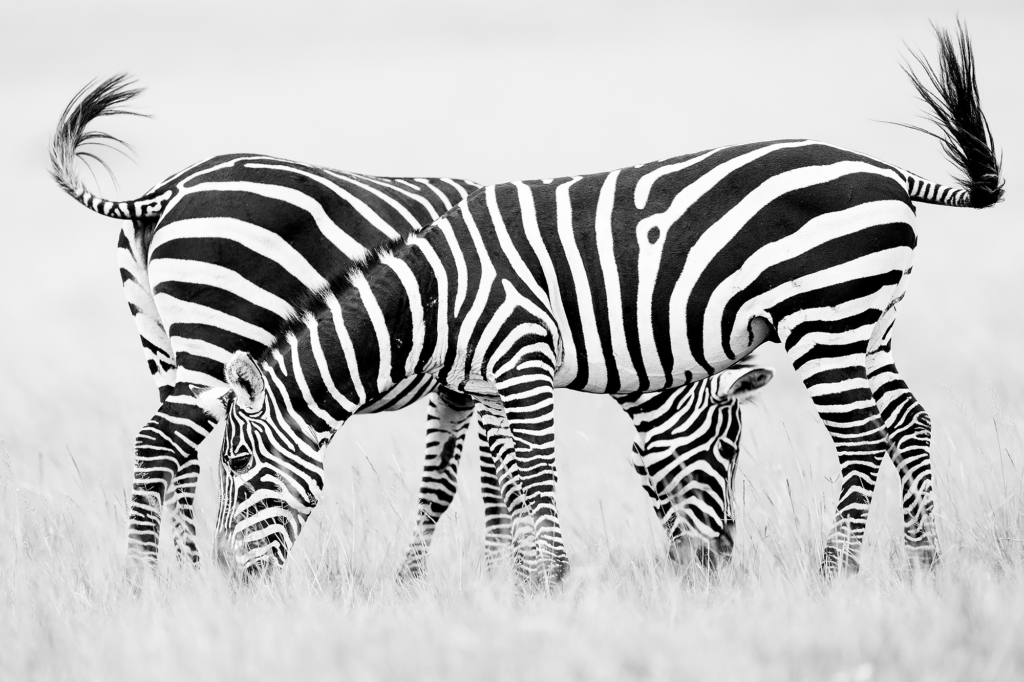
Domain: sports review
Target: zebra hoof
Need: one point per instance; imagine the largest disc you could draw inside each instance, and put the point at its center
(923, 558)
(134, 578)
(835, 564)
(542, 576)
(550, 578)
(188, 556)
(410, 571)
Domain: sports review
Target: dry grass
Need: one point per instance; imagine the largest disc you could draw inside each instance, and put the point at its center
(624, 613)
(364, 95)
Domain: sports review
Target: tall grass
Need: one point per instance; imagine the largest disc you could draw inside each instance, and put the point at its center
(69, 412)
(626, 612)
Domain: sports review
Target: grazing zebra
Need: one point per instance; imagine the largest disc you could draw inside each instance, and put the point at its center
(639, 279)
(688, 437)
(213, 260)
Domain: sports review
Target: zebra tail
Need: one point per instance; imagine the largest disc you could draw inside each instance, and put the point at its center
(72, 141)
(951, 94)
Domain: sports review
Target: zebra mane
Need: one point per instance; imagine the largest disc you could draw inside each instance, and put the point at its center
(314, 301)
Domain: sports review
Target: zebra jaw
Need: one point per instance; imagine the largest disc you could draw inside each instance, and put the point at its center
(213, 400)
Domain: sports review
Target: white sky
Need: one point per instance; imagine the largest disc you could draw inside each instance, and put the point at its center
(484, 90)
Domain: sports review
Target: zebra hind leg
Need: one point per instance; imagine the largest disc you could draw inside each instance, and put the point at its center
(830, 358)
(909, 429)
(448, 418)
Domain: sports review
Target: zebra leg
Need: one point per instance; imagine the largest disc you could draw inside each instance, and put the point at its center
(448, 417)
(909, 430)
(165, 452)
(502, 488)
(832, 366)
(526, 389)
(497, 519)
(183, 525)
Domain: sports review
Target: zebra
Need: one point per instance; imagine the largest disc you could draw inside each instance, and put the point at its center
(213, 260)
(702, 420)
(639, 279)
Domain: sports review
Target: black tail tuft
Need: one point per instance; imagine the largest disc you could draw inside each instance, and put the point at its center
(956, 110)
(93, 101)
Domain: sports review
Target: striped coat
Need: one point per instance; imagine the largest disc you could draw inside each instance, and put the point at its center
(215, 260)
(639, 279)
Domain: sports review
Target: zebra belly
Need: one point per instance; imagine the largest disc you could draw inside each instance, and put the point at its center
(625, 376)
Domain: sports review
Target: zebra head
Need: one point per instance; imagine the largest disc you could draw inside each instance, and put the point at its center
(726, 391)
(691, 462)
(271, 468)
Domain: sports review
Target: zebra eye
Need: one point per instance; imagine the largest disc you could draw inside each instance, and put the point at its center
(725, 449)
(241, 462)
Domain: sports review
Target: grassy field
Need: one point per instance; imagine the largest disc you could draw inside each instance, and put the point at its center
(624, 613)
(537, 92)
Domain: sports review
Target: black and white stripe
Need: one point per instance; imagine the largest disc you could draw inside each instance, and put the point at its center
(640, 279)
(687, 440)
(212, 260)
(215, 260)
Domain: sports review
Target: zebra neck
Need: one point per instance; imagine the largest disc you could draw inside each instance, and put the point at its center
(361, 340)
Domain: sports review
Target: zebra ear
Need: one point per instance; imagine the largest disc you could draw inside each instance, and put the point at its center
(213, 401)
(245, 379)
(741, 383)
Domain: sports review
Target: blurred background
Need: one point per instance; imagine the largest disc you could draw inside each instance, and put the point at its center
(492, 92)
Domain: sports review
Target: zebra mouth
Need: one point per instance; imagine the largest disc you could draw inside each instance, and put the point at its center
(259, 556)
(263, 566)
(253, 550)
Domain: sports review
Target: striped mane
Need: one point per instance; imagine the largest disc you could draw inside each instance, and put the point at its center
(314, 301)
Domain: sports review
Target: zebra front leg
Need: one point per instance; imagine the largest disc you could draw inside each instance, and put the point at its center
(448, 418)
(526, 390)
(165, 451)
(183, 525)
(497, 519)
(504, 496)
